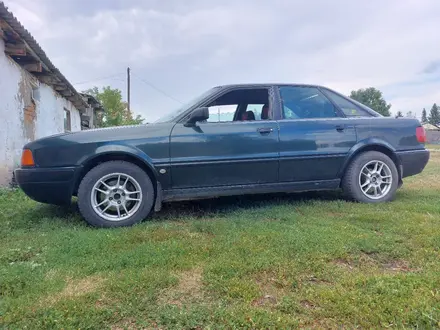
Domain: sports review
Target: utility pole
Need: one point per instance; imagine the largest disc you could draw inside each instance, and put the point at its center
(128, 89)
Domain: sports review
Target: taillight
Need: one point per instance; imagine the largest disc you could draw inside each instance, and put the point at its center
(27, 159)
(421, 134)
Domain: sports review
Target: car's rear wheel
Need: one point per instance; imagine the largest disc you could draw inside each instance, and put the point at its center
(115, 194)
(371, 177)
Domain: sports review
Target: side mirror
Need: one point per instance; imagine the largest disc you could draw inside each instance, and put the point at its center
(199, 114)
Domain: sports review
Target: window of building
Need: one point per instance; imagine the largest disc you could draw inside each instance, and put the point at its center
(305, 102)
(35, 94)
(349, 108)
(67, 121)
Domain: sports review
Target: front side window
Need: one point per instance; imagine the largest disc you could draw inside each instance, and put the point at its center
(221, 113)
(305, 103)
(348, 108)
(260, 111)
(240, 105)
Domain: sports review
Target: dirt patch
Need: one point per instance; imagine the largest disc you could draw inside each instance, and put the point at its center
(343, 263)
(373, 262)
(272, 287)
(308, 304)
(127, 324)
(314, 280)
(266, 300)
(189, 288)
(130, 324)
(399, 266)
(76, 288)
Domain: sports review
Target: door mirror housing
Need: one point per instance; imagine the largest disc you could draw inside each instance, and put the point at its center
(199, 114)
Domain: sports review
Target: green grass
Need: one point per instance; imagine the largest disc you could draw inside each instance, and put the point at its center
(273, 261)
(433, 146)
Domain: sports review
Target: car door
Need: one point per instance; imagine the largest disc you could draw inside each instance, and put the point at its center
(314, 137)
(223, 151)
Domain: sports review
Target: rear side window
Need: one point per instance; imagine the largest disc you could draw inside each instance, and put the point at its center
(305, 102)
(348, 108)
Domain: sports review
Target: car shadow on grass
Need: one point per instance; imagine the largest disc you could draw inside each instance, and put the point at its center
(67, 214)
(222, 206)
(205, 208)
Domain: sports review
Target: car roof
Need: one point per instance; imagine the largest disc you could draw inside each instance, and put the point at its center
(268, 84)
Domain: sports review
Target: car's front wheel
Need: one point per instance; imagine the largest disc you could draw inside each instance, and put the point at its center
(115, 194)
(371, 177)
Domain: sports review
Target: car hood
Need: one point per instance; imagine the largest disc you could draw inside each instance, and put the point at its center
(108, 134)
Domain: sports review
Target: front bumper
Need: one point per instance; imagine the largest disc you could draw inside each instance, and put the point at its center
(413, 162)
(47, 185)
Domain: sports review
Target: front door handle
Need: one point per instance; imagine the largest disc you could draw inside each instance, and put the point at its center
(340, 128)
(265, 130)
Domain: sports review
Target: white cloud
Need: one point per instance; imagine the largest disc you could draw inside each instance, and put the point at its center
(185, 48)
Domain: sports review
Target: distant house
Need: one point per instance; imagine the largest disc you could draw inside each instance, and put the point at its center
(36, 100)
(432, 133)
(430, 127)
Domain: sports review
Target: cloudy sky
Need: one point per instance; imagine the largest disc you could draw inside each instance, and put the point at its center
(177, 49)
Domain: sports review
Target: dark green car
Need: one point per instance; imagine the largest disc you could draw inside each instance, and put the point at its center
(232, 140)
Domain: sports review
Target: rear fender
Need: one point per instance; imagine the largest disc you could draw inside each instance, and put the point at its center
(371, 144)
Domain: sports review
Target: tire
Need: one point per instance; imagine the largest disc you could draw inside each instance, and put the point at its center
(124, 204)
(365, 162)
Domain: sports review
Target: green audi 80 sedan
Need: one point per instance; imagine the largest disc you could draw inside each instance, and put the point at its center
(231, 140)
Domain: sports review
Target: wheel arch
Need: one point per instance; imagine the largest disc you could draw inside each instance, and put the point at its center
(372, 145)
(110, 155)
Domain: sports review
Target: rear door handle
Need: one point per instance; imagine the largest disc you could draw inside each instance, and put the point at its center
(340, 128)
(265, 130)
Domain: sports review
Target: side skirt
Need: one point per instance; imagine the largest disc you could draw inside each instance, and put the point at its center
(212, 192)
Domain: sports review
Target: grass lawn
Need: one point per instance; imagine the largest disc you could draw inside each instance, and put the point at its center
(277, 261)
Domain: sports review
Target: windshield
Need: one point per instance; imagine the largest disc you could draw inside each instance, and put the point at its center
(174, 114)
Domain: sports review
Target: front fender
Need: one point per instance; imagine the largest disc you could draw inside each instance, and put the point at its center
(119, 149)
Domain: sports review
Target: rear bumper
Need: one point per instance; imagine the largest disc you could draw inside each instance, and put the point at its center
(48, 185)
(413, 162)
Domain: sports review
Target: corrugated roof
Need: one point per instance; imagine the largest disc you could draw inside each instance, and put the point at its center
(24, 34)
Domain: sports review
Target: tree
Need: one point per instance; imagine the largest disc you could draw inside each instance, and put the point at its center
(434, 115)
(372, 98)
(399, 114)
(424, 117)
(410, 114)
(116, 112)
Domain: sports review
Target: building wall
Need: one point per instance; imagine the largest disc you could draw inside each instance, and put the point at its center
(29, 110)
(433, 137)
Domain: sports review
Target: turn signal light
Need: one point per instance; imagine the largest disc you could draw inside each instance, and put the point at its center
(27, 159)
(421, 134)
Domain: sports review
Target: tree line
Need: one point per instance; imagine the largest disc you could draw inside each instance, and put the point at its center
(433, 117)
(116, 112)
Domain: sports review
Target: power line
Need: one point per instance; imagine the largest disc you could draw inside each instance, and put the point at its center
(97, 79)
(156, 88)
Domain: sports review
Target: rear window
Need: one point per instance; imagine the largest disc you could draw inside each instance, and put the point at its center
(348, 108)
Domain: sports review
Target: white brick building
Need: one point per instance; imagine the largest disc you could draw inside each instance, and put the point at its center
(36, 100)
